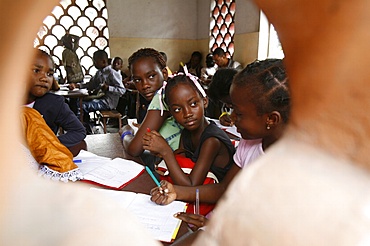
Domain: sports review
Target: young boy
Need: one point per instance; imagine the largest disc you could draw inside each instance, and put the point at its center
(53, 109)
(108, 80)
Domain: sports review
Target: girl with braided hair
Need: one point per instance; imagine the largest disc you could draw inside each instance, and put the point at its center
(205, 153)
(148, 73)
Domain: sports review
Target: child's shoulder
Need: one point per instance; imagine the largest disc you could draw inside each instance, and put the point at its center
(212, 130)
(50, 97)
(250, 143)
(157, 103)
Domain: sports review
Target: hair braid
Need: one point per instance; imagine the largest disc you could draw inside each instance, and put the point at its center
(147, 52)
(268, 81)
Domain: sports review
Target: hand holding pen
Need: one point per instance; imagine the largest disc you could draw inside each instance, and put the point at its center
(225, 119)
(195, 221)
(163, 194)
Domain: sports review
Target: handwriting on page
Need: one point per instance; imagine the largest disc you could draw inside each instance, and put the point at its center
(114, 173)
(157, 219)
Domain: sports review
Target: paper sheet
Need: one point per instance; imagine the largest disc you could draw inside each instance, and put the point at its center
(113, 173)
(131, 123)
(157, 219)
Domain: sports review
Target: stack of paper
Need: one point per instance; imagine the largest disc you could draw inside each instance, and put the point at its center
(114, 174)
(157, 219)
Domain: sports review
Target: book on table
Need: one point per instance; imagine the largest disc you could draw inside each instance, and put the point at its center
(157, 219)
(110, 173)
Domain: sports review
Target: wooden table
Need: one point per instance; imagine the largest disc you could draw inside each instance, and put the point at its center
(80, 94)
(110, 145)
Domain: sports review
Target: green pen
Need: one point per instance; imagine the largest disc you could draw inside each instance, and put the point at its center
(152, 176)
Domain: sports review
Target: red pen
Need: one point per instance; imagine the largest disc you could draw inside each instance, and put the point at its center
(148, 129)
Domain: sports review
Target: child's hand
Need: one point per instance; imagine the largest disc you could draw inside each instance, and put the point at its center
(129, 84)
(155, 143)
(72, 86)
(104, 87)
(226, 120)
(135, 124)
(163, 195)
(196, 220)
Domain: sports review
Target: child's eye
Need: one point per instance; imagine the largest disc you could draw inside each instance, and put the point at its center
(35, 70)
(50, 74)
(151, 76)
(176, 110)
(136, 80)
(193, 104)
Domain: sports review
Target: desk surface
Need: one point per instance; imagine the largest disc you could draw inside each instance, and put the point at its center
(80, 94)
(109, 145)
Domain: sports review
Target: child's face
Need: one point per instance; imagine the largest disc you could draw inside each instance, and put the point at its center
(195, 61)
(147, 76)
(117, 64)
(249, 124)
(221, 61)
(100, 63)
(187, 106)
(41, 76)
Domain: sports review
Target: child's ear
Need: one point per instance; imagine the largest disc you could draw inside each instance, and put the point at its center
(205, 102)
(274, 118)
(165, 74)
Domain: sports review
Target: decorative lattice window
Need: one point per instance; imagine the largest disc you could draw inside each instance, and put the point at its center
(269, 45)
(84, 18)
(222, 25)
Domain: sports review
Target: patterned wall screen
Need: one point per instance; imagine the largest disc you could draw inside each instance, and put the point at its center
(222, 25)
(84, 18)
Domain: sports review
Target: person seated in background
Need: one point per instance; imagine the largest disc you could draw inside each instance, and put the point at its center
(261, 122)
(106, 80)
(218, 93)
(194, 65)
(207, 72)
(148, 72)
(127, 102)
(47, 155)
(165, 59)
(220, 58)
(117, 64)
(53, 108)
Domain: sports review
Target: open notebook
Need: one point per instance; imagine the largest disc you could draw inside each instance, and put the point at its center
(114, 174)
(157, 219)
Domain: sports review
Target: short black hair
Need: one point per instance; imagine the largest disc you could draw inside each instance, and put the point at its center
(220, 84)
(100, 54)
(197, 54)
(116, 58)
(219, 51)
(209, 60)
